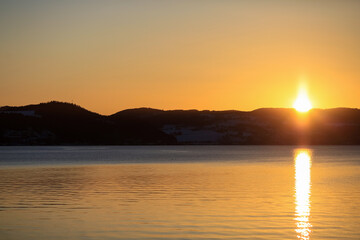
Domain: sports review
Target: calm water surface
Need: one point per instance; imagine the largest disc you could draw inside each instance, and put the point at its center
(180, 192)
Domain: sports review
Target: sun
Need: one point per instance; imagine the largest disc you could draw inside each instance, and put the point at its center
(302, 102)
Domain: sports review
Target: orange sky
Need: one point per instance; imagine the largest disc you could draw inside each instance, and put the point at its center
(111, 55)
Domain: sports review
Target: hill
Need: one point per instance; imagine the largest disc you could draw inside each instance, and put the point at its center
(58, 123)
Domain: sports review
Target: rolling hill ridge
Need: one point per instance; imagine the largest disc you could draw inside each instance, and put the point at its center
(59, 123)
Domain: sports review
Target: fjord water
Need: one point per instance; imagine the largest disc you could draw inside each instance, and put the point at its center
(180, 192)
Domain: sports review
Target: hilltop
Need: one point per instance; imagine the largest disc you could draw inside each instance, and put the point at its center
(59, 123)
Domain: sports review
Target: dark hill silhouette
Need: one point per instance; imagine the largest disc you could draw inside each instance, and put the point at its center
(54, 108)
(58, 123)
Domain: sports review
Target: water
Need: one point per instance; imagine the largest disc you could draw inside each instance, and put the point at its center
(180, 192)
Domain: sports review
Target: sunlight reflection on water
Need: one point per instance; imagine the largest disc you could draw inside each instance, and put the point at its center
(180, 192)
(302, 193)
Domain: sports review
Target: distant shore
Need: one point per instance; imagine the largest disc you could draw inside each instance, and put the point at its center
(60, 124)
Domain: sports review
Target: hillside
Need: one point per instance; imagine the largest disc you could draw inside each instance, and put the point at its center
(57, 123)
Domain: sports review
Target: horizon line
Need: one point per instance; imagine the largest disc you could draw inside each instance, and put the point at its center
(159, 109)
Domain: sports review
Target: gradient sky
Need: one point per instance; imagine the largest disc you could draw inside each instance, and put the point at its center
(112, 55)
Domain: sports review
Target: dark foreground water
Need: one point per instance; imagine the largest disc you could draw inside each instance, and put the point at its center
(182, 192)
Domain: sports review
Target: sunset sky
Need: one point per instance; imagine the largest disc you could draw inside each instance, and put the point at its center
(219, 55)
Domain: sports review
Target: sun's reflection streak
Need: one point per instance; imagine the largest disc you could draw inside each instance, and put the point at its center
(302, 193)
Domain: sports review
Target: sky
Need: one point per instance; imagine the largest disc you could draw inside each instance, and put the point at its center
(108, 56)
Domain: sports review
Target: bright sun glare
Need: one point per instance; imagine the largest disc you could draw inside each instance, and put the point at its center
(302, 102)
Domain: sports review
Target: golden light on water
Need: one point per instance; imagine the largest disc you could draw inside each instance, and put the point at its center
(302, 102)
(302, 193)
